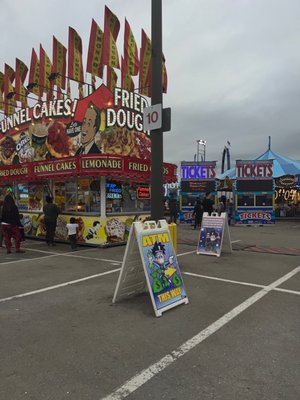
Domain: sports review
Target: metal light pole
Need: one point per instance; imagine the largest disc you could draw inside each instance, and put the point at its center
(203, 143)
(156, 136)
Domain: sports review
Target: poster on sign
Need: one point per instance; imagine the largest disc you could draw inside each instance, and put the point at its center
(150, 261)
(214, 231)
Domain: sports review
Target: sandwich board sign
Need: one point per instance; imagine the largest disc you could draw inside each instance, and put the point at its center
(213, 233)
(150, 263)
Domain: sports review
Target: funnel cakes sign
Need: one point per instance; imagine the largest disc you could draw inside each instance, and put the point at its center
(103, 122)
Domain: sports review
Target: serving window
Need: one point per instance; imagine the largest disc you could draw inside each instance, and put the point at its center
(88, 195)
(80, 195)
(246, 200)
(255, 200)
(190, 199)
(60, 194)
(127, 197)
(264, 200)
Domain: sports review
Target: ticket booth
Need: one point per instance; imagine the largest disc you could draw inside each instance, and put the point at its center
(254, 195)
(197, 178)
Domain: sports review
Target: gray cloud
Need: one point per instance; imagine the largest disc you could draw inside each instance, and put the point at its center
(233, 65)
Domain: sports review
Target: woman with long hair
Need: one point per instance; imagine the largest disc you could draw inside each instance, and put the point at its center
(11, 224)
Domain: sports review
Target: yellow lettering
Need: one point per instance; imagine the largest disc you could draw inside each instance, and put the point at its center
(164, 297)
(101, 163)
(44, 168)
(149, 240)
(65, 166)
(18, 171)
(175, 292)
(138, 166)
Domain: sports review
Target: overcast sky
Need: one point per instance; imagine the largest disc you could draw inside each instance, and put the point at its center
(233, 65)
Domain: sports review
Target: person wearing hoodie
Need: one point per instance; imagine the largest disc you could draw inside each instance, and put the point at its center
(11, 224)
(208, 203)
(51, 212)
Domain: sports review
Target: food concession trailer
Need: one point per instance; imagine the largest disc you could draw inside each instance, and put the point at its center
(91, 155)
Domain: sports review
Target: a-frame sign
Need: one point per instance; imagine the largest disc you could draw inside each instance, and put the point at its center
(214, 234)
(150, 263)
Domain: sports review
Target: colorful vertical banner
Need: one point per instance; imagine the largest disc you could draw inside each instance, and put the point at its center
(110, 56)
(145, 72)
(44, 73)
(21, 73)
(111, 77)
(59, 94)
(33, 80)
(59, 54)
(145, 66)
(93, 83)
(69, 89)
(131, 57)
(1, 81)
(127, 81)
(94, 65)
(80, 91)
(9, 91)
(75, 67)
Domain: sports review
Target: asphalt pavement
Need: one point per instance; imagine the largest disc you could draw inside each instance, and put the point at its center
(237, 339)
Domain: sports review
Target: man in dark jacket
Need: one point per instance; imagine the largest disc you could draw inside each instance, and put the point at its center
(51, 212)
(207, 203)
(173, 209)
(197, 214)
(11, 224)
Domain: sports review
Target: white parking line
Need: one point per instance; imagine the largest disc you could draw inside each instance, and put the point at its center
(184, 254)
(46, 289)
(27, 259)
(241, 283)
(76, 255)
(92, 258)
(224, 280)
(144, 376)
(53, 254)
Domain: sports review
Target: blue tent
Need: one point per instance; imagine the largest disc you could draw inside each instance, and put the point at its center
(281, 165)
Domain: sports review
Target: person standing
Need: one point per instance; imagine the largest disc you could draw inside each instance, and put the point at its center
(197, 214)
(72, 232)
(173, 209)
(11, 224)
(51, 212)
(230, 212)
(208, 203)
(221, 205)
